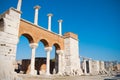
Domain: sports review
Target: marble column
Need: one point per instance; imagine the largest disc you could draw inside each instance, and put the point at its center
(36, 14)
(84, 63)
(90, 65)
(102, 65)
(60, 27)
(59, 52)
(19, 5)
(48, 50)
(97, 67)
(49, 21)
(32, 65)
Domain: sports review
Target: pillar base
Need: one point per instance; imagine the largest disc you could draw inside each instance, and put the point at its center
(34, 72)
(59, 73)
(48, 74)
(86, 74)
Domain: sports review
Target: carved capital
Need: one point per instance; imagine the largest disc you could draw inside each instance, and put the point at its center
(59, 52)
(60, 20)
(37, 7)
(50, 14)
(48, 48)
(33, 45)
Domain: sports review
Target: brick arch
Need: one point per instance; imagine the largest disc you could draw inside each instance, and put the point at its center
(57, 46)
(38, 34)
(45, 42)
(28, 36)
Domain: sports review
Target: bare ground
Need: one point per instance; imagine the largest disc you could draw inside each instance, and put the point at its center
(55, 77)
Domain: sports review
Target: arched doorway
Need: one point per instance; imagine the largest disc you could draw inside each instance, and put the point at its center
(40, 57)
(54, 59)
(23, 54)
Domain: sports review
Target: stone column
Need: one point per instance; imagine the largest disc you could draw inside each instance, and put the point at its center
(49, 21)
(19, 5)
(84, 63)
(59, 52)
(102, 65)
(97, 67)
(60, 27)
(48, 50)
(90, 66)
(36, 14)
(32, 65)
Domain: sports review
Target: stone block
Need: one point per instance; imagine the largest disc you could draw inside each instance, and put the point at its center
(6, 69)
(70, 34)
(72, 59)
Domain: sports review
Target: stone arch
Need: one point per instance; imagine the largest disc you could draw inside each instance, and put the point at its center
(57, 46)
(28, 36)
(45, 42)
(54, 63)
(26, 62)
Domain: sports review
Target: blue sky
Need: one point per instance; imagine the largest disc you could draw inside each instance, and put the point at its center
(96, 22)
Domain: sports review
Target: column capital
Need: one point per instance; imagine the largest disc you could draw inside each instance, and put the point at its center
(48, 48)
(37, 7)
(50, 14)
(60, 20)
(59, 52)
(33, 45)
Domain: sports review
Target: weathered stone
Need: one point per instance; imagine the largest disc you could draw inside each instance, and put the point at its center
(72, 59)
(6, 69)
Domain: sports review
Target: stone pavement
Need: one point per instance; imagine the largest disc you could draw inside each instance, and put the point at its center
(45, 77)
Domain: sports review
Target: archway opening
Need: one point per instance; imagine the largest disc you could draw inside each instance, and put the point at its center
(40, 57)
(23, 54)
(54, 59)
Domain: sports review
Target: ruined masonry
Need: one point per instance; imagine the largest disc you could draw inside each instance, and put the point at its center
(12, 27)
(9, 29)
(67, 58)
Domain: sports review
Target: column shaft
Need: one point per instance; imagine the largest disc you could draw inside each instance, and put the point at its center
(36, 14)
(59, 52)
(59, 63)
(85, 71)
(19, 5)
(60, 26)
(49, 21)
(90, 66)
(32, 65)
(48, 62)
(97, 67)
(32, 61)
(36, 17)
(48, 50)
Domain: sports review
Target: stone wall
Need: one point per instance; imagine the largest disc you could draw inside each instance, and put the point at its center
(7, 68)
(9, 32)
(72, 59)
(9, 28)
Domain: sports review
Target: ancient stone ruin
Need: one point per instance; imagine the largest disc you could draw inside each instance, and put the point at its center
(12, 26)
